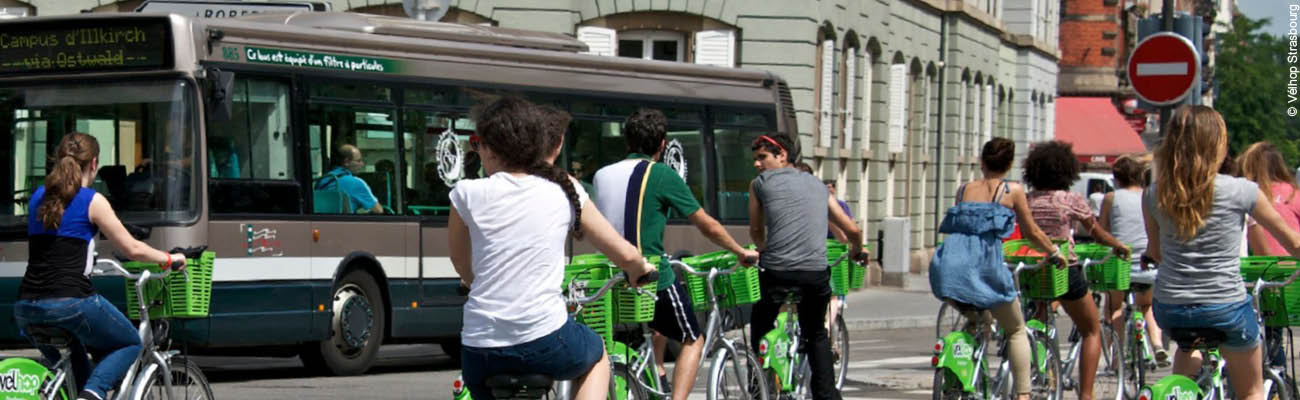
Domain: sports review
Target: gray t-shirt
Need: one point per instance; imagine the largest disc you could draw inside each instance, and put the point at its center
(795, 214)
(1126, 222)
(1207, 268)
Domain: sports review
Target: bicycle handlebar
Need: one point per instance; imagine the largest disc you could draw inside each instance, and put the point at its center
(691, 270)
(141, 277)
(1261, 284)
(652, 276)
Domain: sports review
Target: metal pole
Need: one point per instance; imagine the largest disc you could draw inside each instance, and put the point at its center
(1167, 19)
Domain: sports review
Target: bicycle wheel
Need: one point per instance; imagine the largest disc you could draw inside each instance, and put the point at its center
(188, 382)
(840, 350)
(1109, 378)
(1046, 365)
(625, 386)
(803, 387)
(946, 386)
(1134, 366)
(736, 376)
(1276, 388)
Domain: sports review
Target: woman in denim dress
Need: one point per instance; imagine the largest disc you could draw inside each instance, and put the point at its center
(968, 268)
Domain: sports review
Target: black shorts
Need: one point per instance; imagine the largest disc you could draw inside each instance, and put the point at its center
(674, 317)
(1078, 285)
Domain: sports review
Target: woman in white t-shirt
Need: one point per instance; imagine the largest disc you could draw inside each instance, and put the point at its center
(507, 236)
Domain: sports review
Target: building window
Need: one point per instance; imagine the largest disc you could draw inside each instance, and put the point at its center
(652, 45)
(897, 107)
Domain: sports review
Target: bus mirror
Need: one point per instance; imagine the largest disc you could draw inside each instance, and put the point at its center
(221, 95)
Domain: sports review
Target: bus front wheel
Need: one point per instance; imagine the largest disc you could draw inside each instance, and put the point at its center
(356, 328)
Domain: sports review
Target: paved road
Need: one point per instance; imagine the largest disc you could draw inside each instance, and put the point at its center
(898, 358)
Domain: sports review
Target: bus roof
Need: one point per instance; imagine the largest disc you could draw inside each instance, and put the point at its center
(492, 53)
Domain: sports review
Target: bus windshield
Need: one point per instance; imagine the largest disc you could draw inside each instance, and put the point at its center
(146, 145)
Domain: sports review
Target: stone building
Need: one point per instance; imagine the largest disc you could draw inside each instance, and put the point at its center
(893, 97)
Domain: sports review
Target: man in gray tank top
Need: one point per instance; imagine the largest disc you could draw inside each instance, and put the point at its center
(789, 212)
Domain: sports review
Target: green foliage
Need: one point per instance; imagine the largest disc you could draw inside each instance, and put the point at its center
(1251, 75)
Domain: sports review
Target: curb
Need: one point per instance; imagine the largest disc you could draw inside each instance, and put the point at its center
(924, 321)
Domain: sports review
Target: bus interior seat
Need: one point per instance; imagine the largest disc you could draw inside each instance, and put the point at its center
(114, 177)
(381, 184)
(330, 201)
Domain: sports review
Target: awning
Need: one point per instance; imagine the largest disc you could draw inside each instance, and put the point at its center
(1096, 129)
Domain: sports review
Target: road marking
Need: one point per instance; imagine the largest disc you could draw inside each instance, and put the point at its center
(1159, 69)
(896, 361)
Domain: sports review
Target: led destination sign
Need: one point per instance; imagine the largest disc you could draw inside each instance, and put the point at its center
(86, 46)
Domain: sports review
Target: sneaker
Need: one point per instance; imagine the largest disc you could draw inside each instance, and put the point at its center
(89, 395)
(1162, 358)
(668, 386)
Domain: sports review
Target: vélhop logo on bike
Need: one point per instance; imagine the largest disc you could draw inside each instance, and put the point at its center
(15, 381)
(1177, 393)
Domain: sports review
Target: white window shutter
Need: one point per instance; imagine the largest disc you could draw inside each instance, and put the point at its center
(716, 47)
(827, 112)
(1033, 123)
(600, 41)
(850, 87)
(987, 129)
(962, 131)
(866, 101)
(897, 106)
(1049, 121)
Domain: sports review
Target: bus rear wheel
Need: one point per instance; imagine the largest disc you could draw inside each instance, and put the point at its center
(356, 328)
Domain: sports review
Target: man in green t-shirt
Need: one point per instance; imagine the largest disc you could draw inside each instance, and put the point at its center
(635, 195)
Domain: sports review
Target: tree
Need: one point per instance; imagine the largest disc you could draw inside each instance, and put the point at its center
(1251, 75)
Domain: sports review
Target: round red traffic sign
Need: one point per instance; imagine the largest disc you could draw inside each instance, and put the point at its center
(1163, 68)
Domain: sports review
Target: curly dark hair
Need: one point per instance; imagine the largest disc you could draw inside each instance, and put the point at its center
(516, 131)
(557, 124)
(997, 154)
(1051, 166)
(645, 131)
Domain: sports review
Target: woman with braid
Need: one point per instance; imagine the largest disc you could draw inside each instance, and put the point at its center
(507, 237)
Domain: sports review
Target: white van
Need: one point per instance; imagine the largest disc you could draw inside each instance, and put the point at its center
(1093, 186)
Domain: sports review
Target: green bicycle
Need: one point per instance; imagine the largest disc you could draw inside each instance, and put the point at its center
(961, 362)
(783, 356)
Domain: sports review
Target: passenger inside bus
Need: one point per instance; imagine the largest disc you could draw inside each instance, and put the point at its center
(223, 158)
(340, 191)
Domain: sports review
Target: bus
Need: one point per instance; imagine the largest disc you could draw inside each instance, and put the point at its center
(216, 132)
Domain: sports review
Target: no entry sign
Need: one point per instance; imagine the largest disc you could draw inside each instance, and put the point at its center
(1163, 68)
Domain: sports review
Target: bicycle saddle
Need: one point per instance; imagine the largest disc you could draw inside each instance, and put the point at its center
(519, 386)
(964, 307)
(49, 335)
(1192, 338)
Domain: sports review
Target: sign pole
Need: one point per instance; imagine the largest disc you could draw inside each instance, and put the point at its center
(1167, 17)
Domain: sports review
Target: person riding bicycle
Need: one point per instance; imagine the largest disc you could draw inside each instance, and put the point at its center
(508, 233)
(1050, 168)
(969, 268)
(1121, 215)
(636, 195)
(63, 218)
(789, 212)
(1263, 164)
(1194, 218)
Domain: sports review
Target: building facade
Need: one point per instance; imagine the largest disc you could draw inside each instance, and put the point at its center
(893, 97)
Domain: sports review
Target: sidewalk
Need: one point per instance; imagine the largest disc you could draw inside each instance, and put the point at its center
(890, 308)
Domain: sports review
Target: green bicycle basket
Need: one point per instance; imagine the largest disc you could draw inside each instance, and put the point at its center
(1042, 283)
(181, 296)
(1113, 274)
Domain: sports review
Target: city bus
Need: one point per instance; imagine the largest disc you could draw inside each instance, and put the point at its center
(218, 132)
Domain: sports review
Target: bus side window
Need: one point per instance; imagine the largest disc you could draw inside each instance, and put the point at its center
(250, 162)
(426, 193)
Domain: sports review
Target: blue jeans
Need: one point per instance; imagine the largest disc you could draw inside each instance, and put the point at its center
(565, 354)
(1238, 320)
(100, 329)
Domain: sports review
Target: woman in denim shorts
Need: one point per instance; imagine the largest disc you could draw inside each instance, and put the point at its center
(1194, 218)
(507, 237)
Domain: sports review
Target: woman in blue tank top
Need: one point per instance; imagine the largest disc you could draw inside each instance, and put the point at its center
(63, 218)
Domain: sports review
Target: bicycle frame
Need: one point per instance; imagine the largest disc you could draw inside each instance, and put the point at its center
(962, 353)
(713, 337)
